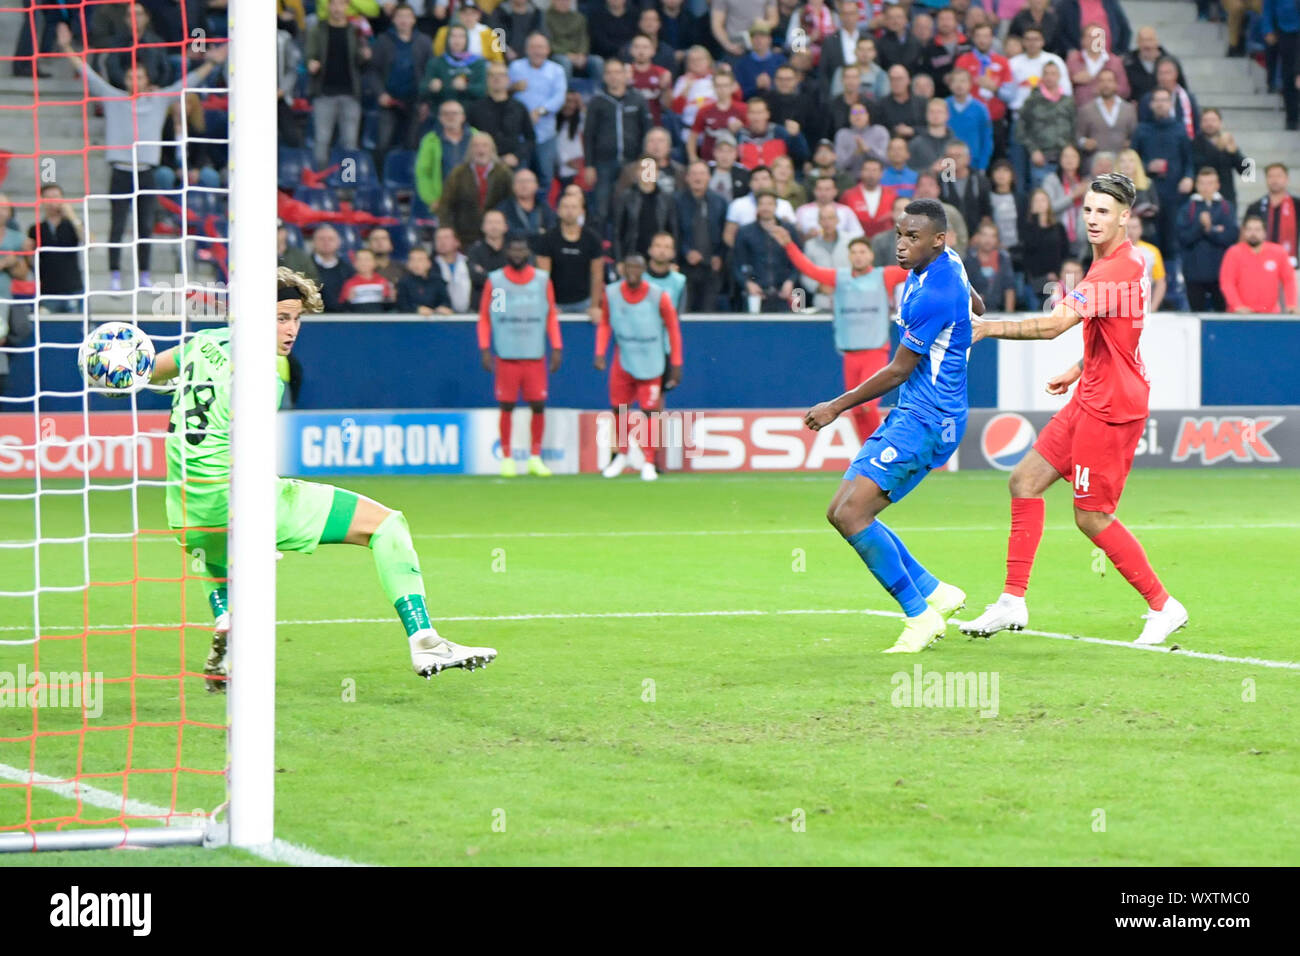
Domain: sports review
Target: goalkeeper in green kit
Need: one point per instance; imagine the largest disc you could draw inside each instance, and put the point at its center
(307, 514)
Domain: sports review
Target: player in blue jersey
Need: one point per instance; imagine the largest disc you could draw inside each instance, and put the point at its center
(921, 433)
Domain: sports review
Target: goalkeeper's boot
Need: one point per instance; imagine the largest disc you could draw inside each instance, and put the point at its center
(919, 632)
(616, 466)
(947, 600)
(538, 467)
(215, 674)
(1008, 613)
(508, 467)
(1162, 623)
(431, 654)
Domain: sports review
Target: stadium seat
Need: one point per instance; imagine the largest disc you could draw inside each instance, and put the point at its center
(349, 237)
(293, 237)
(370, 130)
(292, 160)
(322, 199)
(216, 125)
(399, 171)
(202, 203)
(360, 175)
(375, 200)
(421, 214)
(405, 237)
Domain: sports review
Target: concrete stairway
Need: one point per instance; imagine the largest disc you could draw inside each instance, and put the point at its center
(1237, 87)
(53, 123)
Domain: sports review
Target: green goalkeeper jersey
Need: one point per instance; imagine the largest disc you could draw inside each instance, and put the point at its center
(198, 443)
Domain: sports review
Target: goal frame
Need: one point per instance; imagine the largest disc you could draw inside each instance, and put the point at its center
(252, 206)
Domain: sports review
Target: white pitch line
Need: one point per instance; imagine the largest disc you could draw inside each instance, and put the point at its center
(278, 851)
(741, 532)
(917, 529)
(626, 615)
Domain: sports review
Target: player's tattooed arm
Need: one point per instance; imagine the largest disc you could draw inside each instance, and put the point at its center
(1060, 384)
(1037, 327)
(886, 380)
(164, 367)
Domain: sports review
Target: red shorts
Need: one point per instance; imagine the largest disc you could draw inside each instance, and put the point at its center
(1093, 455)
(861, 364)
(516, 374)
(625, 390)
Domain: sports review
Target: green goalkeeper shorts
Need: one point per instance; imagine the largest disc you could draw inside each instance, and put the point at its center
(304, 513)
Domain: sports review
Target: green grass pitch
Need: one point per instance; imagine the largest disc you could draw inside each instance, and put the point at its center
(629, 721)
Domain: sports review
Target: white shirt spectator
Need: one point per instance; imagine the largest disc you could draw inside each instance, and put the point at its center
(744, 210)
(1025, 73)
(805, 217)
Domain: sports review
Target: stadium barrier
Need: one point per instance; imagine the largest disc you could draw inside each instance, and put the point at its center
(732, 361)
(465, 442)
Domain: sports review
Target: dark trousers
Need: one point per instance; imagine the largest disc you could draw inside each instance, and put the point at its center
(1167, 223)
(600, 199)
(703, 284)
(396, 125)
(45, 27)
(123, 183)
(1205, 297)
(1288, 44)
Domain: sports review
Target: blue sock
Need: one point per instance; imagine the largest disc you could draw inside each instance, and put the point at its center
(925, 581)
(875, 545)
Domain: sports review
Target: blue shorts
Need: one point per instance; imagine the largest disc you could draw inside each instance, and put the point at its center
(904, 449)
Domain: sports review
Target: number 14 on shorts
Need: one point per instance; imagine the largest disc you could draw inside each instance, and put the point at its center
(1080, 479)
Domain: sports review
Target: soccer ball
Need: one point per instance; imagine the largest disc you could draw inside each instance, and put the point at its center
(116, 357)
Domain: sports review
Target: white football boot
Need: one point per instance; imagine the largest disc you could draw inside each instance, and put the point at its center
(431, 654)
(947, 600)
(616, 466)
(215, 672)
(919, 633)
(1008, 613)
(1160, 624)
(649, 472)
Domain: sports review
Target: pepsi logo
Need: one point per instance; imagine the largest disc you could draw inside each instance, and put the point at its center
(1006, 439)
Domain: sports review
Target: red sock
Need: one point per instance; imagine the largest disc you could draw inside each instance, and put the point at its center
(538, 426)
(507, 422)
(1022, 543)
(1125, 552)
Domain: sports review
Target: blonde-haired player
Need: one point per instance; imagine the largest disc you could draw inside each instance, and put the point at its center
(307, 515)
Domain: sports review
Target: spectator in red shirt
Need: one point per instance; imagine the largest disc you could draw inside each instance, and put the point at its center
(1252, 270)
(367, 290)
(988, 70)
(871, 202)
(728, 113)
(1279, 209)
(649, 78)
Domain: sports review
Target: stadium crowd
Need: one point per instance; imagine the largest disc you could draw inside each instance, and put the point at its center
(415, 137)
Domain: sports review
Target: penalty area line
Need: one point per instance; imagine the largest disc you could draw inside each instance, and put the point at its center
(629, 615)
(277, 851)
(870, 612)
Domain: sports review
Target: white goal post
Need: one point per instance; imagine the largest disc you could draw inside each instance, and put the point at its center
(251, 310)
(253, 192)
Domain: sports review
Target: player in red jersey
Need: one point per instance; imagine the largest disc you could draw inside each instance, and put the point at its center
(517, 317)
(860, 319)
(641, 319)
(1092, 440)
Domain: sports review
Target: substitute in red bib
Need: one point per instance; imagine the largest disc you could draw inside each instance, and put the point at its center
(641, 318)
(1090, 442)
(516, 316)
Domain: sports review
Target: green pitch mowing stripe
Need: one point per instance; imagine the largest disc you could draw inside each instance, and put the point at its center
(734, 739)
